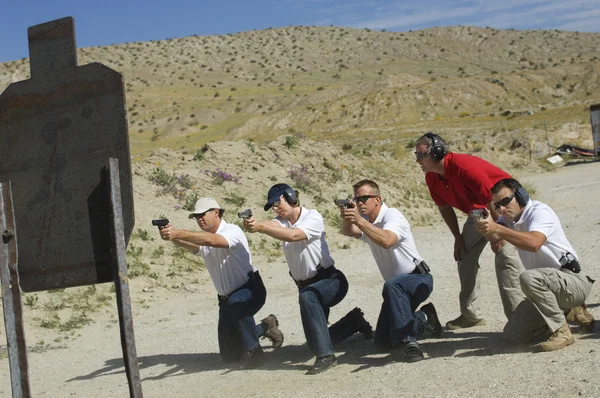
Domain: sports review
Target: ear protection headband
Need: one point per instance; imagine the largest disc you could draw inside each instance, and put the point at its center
(437, 150)
(290, 195)
(522, 196)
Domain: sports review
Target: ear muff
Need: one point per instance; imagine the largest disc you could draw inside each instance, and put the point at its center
(437, 150)
(522, 196)
(290, 196)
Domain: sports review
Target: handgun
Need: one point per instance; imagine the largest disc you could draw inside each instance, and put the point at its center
(246, 214)
(160, 223)
(343, 203)
(478, 214)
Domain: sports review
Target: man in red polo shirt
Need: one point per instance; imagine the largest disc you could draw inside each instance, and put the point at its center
(464, 182)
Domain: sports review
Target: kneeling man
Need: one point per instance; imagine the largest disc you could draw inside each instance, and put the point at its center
(552, 281)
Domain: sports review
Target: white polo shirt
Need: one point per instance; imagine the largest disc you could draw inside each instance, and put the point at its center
(304, 256)
(398, 259)
(539, 217)
(228, 267)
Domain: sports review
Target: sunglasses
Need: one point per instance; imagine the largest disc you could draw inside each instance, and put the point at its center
(421, 155)
(504, 202)
(363, 199)
(199, 216)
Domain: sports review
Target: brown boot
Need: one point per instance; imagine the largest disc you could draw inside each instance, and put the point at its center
(463, 322)
(581, 316)
(273, 333)
(561, 338)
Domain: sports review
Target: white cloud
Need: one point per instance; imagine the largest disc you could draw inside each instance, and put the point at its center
(520, 14)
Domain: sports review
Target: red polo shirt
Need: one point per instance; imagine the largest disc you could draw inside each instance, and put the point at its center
(466, 184)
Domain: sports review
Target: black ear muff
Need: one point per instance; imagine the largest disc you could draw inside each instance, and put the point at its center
(290, 196)
(437, 150)
(522, 196)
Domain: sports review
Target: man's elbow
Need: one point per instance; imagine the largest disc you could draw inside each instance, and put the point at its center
(536, 247)
(388, 244)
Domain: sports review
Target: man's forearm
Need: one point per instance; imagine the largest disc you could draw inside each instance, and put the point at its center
(185, 244)
(280, 233)
(200, 238)
(380, 237)
(349, 229)
(528, 241)
(449, 216)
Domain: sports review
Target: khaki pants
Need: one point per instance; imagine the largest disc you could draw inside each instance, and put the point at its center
(550, 293)
(508, 268)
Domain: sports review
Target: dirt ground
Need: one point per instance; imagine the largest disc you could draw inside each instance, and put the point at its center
(177, 343)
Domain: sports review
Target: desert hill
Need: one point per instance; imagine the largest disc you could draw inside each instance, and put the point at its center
(331, 83)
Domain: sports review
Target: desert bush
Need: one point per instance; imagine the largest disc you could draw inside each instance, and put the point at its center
(142, 234)
(299, 175)
(199, 155)
(235, 200)
(290, 141)
(219, 176)
(189, 200)
(160, 177)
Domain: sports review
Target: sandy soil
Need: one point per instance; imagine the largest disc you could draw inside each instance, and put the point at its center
(177, 344)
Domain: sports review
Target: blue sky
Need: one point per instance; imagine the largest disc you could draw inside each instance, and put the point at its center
(105, 22)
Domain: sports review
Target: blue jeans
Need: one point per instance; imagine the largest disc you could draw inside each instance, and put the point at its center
(315, 301)
(398, 322)
(238, 334)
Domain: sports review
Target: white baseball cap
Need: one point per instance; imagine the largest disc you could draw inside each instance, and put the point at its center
(203, 205)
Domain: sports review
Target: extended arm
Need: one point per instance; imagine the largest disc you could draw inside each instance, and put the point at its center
(524, 240)
(274, 230)
(354, 225)
(192, 240)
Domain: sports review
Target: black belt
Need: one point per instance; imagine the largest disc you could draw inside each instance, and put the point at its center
(322, 273)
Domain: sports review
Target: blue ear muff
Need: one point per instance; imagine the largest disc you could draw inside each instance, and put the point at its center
(522, 196)
(437, 150)
(290, 196)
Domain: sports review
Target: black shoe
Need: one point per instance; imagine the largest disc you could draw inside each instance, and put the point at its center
(412, 352)
(362, 325)
(433, 326)
(253, 359)
(322, 364)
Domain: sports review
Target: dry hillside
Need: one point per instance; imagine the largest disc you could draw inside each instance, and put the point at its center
(344, 84)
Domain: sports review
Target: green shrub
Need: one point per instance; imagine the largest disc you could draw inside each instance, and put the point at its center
(290, 141)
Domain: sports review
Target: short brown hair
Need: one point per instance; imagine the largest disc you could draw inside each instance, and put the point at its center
(372, 184)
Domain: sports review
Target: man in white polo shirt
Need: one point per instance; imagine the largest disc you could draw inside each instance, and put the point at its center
(408, 282)
(552, 281)
(241, 292)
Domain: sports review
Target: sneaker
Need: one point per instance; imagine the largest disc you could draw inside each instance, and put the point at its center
(362, 325)
(253, 359)
(461, 323)
(412, 352)
(581, 316)
(433, 325)
(322, 364)
(561, 338)
(273, 333)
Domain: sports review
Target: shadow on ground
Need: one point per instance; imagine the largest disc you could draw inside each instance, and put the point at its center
(286, 357)
(353, 351)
